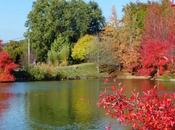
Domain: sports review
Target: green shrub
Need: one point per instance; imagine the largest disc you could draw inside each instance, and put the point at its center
(59, 52)
(53, 57)
(82, 48)
(64, 55)
(36, 73)
(43, 72)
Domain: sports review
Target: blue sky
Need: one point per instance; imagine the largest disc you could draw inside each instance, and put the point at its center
(13, 14)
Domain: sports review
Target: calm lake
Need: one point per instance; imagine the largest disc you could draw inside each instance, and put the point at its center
(64, 105)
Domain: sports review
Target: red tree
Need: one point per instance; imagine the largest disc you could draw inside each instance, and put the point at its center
(143, 111)
(158, 42)
(156, 56)
(6, 66)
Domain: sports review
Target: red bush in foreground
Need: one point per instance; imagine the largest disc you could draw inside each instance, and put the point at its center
(143, 111)
(6, 66)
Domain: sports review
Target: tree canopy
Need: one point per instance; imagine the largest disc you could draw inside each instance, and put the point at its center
(72, 19)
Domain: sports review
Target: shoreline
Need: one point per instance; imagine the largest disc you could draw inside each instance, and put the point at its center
(100, 76)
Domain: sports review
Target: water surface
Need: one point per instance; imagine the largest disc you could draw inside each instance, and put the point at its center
(64, 105)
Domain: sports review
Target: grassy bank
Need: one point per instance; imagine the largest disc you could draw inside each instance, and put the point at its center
(86, 70)
(49, 72)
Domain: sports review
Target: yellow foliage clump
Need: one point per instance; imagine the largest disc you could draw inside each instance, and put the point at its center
(82, 48)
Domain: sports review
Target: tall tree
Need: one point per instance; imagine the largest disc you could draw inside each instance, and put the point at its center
(130, 35)
(72, 19)
(125, 39)
(37, 25)
(159, 23)
(158, 44)
(133, 20)
(113, 19)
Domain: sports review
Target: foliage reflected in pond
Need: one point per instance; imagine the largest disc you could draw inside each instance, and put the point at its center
(71, 104)
(4, 98)
(62, 105)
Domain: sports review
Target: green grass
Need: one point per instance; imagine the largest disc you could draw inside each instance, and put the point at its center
(78, 71)
(51, 72)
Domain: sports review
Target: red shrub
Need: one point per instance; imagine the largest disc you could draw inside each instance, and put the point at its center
(143, 111)
(6, 66)
(156, 55)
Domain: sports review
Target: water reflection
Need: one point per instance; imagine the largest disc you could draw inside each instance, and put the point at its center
(142, 85)
(4, 98)
(66, 105)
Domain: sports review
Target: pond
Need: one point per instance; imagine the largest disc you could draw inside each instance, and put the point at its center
(64, 105)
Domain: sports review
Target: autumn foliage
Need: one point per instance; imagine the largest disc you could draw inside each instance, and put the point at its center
(148, 110)
(6, 66)
(143, 42)
(124, 36)
(156, 56)
(158, 43)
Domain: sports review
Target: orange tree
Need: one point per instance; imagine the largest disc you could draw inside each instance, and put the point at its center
(125, 36)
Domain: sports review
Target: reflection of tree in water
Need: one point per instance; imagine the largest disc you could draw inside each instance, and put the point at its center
(140, 85)
(3, 101)
(166, 86)
(71, 104)
(4, 97)
(84, 101)
(136, 84)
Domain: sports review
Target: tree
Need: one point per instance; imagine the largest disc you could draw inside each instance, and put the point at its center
(155, 57)
(60, 50)
(101, 53)
(130, 35)
(133, 20)
(96, 19)
(159, 21)
(82, 48)
(113, 19)
(38, 27)
(6, 66)
(17, 51)
(125, 36)
(158, 44)
(72, 19)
